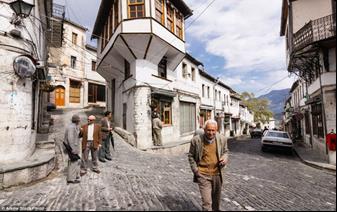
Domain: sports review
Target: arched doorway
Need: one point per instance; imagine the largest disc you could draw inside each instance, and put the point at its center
(60, 96)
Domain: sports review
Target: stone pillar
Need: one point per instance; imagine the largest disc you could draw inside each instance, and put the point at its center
(142, 117)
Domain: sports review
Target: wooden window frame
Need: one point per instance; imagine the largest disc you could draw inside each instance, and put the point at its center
(116, 14)
(161, 11)
(136, 4)
(170, 18)
(179, 27)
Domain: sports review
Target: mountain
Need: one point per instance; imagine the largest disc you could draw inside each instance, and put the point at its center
(277, 99)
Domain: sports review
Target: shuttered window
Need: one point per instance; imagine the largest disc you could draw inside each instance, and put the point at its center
(160, 11)
(187, 117)
(75, 91)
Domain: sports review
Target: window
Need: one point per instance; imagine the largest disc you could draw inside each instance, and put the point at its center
(187, 117)
(179, 25)
(184, 72)
(162, 68)
(219, 95)
(203, 90)
(166, 112)
(208, 93)
(75, 91)
(170, 17)
(160, 11)
(93, 65)
(116, 14)
(317, 120)
(96, 93)
(193, 74)
(215, 94)
(126, 69)
(125, 108)
(74, 38)
(73, 62)
(307, 123)
(136, 8)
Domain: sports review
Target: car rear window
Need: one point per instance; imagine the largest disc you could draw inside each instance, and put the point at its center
(278, 134)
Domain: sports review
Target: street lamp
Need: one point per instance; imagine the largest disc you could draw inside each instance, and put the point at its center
(21, 8)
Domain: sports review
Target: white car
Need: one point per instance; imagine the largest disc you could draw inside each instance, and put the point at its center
(277, 139)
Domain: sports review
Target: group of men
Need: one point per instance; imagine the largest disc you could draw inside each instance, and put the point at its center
(208, 154)
(91, 138)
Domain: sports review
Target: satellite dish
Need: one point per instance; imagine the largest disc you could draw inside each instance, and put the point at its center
(24, 67)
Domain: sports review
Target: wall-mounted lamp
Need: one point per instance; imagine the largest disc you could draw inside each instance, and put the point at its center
(21, 8)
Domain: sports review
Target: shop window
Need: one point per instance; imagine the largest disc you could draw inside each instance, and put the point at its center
(164, 107)
(317, 120)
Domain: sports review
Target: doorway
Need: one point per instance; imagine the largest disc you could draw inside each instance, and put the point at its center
(60, 96)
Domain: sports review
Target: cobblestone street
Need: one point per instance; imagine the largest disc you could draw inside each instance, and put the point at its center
(136, 180)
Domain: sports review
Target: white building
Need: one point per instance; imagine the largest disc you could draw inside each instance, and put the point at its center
(140, 46)
(311, 54)
(23, 91)
(77, 84)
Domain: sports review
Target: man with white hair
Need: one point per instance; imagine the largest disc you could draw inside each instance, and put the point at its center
(91, 142)
(208, 156)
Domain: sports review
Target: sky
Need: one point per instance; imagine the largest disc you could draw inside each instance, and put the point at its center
(236, 40)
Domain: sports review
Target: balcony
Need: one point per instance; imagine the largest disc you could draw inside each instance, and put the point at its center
(314, 31)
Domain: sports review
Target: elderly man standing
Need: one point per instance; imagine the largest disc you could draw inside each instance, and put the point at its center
(208, 156)
(72, 139)
(156, 129)
(91, 142)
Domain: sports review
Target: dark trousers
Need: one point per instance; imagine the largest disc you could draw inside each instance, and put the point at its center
(104, 151)
(210, 190)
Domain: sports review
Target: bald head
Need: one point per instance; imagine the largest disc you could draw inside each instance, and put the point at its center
(91, 119)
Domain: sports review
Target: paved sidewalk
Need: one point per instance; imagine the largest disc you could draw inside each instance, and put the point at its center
(311, 157)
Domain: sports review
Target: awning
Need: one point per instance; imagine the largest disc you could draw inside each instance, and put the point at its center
(314, 100)
(162, 92)
(206, 107)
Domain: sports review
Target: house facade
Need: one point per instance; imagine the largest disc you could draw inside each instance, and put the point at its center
(142, 56)
(311, 54)
(77, 84)
(23, 77)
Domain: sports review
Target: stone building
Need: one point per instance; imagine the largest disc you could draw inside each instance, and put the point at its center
(77, 84)
(24, 88)
(309, 28)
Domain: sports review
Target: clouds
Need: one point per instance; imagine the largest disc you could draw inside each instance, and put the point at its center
(245, 34)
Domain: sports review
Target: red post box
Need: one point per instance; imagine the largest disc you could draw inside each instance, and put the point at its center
(331, 141)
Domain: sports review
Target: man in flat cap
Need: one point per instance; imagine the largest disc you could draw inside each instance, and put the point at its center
(72, 139)
(91, 142)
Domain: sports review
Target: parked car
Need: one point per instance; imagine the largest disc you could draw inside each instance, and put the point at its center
(276, 139)
(256, 133)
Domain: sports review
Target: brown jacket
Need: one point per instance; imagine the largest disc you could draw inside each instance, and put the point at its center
(196, 151)
(97, 136)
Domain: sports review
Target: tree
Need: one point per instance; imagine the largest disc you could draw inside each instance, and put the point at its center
(260, 107)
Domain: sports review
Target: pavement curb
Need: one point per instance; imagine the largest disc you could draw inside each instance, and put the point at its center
(314, 165)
